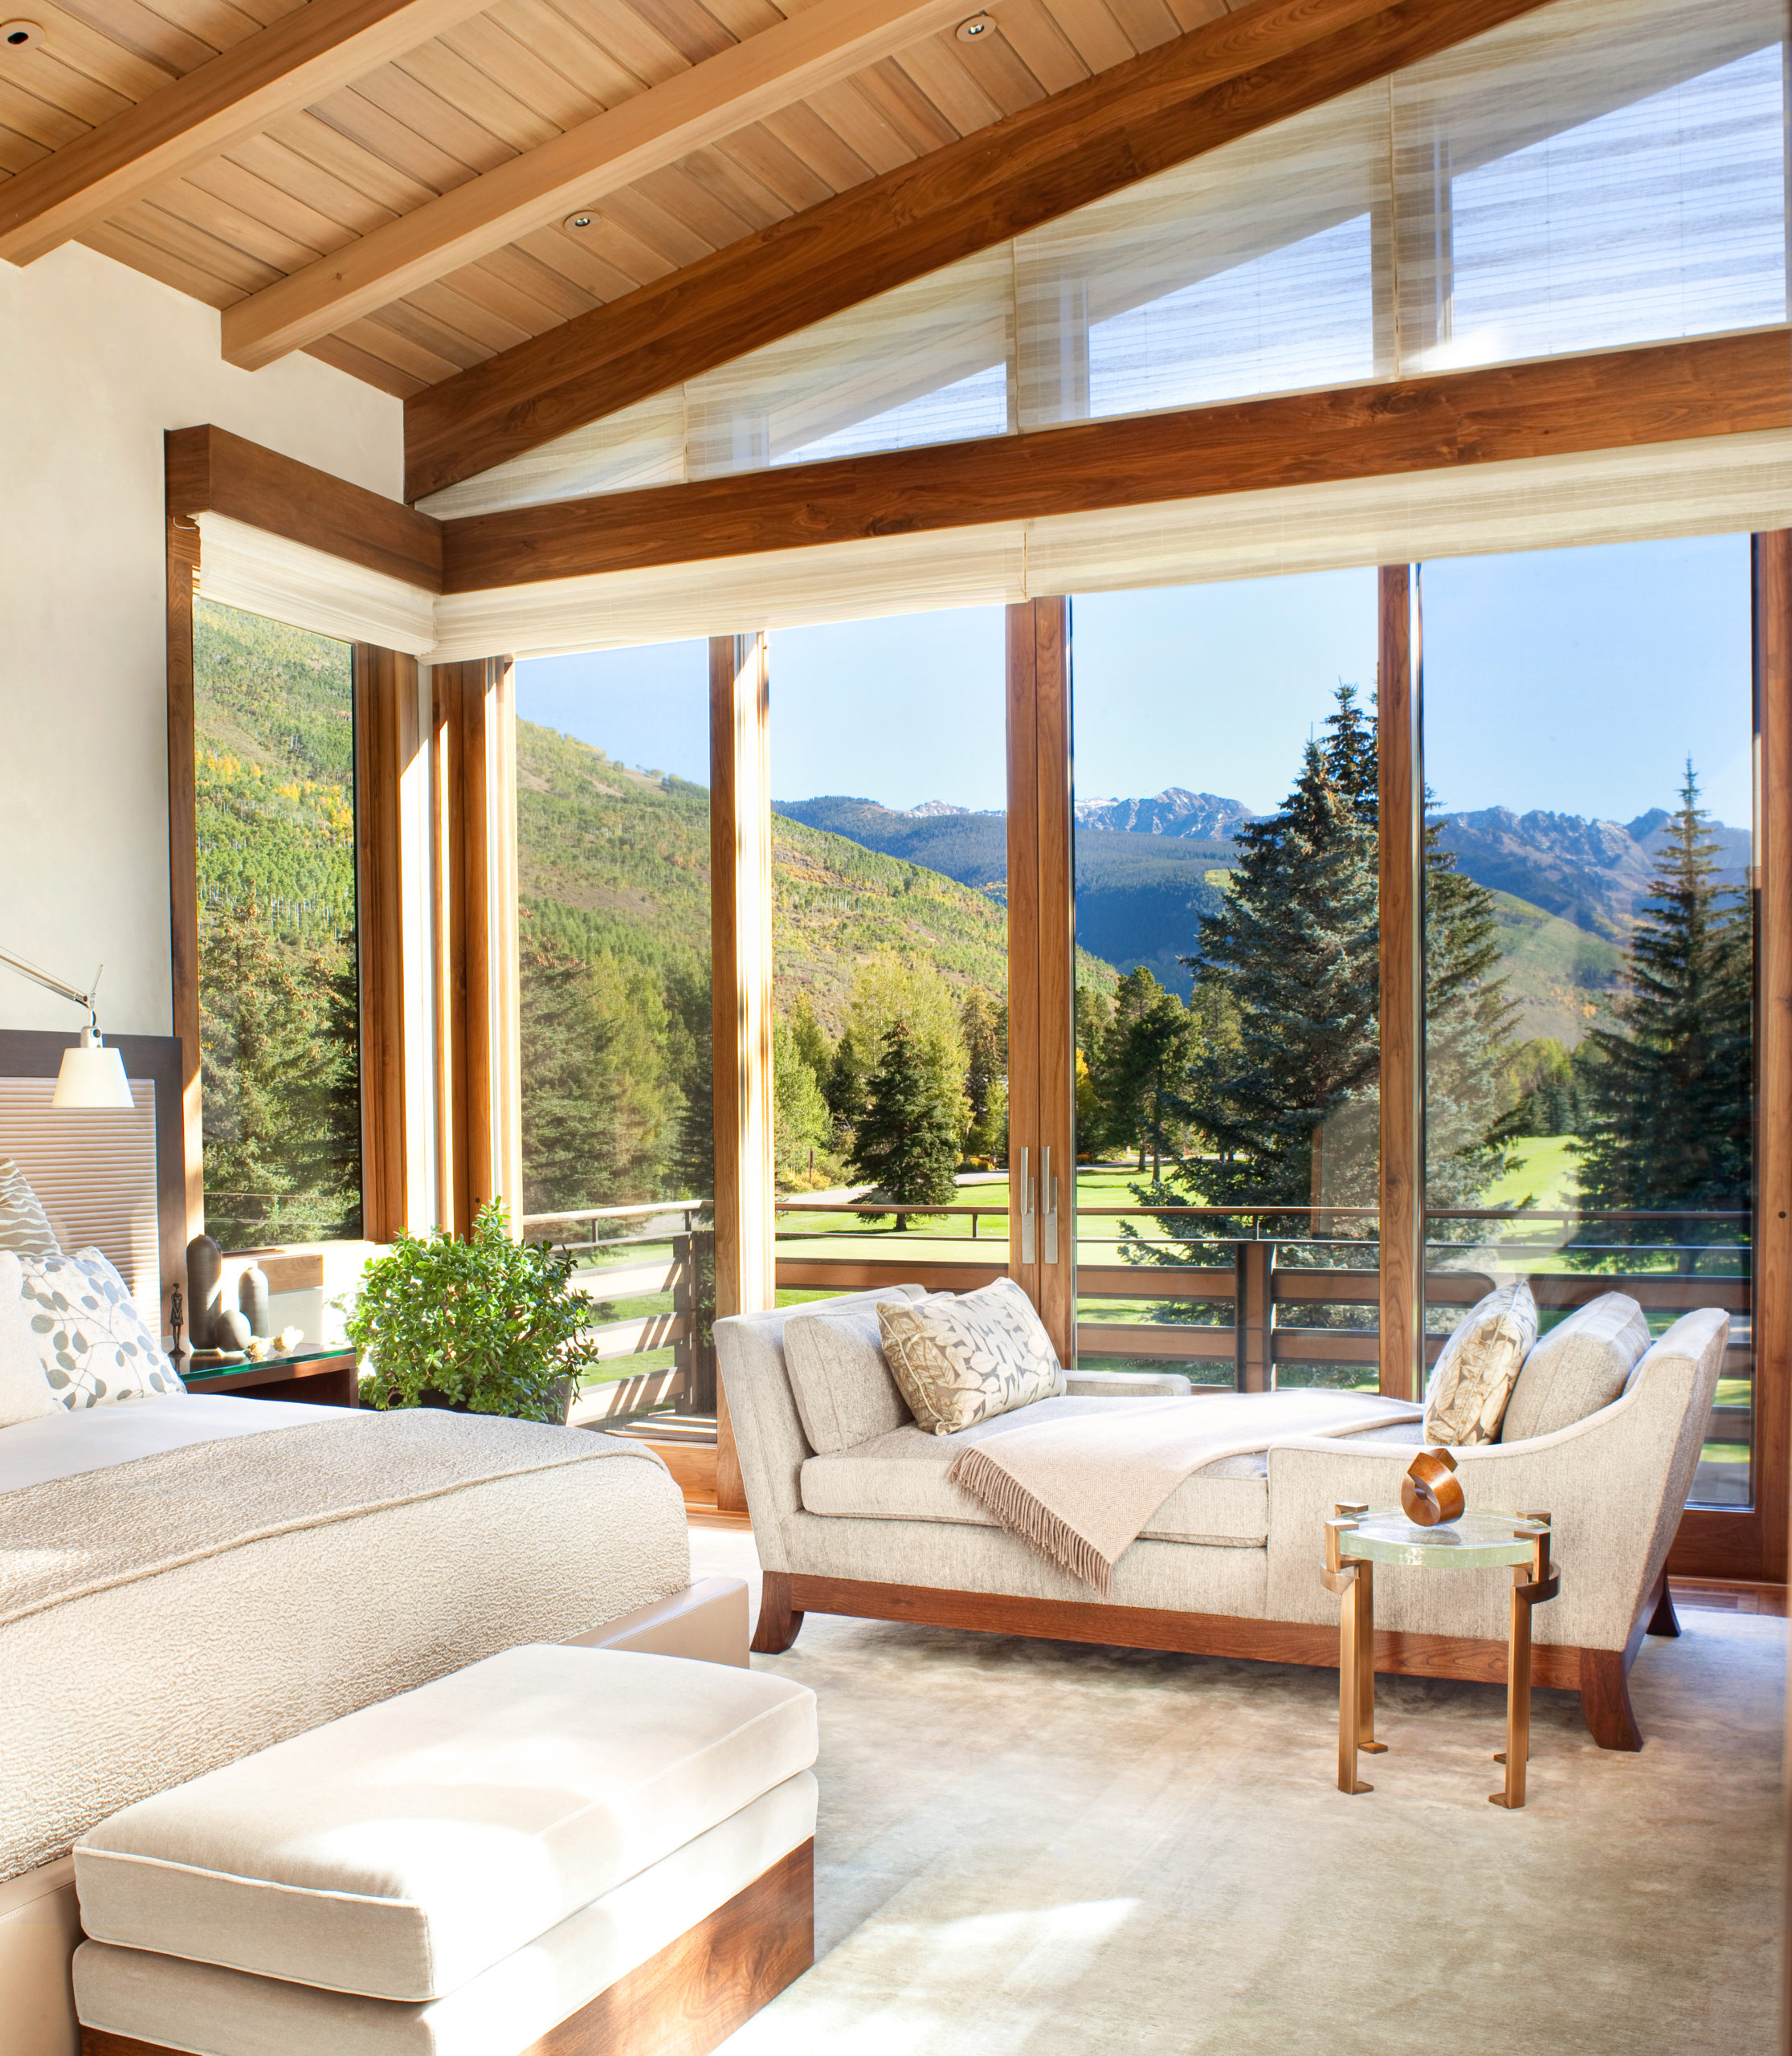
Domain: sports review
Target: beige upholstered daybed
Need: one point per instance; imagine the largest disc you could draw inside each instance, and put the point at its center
(185, 1580)
(1230, 1563)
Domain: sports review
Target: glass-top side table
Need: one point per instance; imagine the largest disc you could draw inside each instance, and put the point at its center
(1356, 1539)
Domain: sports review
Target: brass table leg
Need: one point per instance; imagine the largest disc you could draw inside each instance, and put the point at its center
(1531, 1584)
(1365, 1662)
(1351, 1579)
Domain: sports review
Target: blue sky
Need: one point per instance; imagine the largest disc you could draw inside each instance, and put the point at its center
(1572, 680)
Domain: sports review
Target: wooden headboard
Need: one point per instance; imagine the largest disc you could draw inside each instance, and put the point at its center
(116, 1180)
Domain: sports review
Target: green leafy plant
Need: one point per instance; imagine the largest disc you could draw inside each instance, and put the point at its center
(489, 1323)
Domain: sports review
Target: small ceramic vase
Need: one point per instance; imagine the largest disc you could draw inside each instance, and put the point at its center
(205, 1269)
(251, 1296)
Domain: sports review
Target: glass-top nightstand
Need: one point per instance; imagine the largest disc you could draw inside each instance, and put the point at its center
(1358, 1538)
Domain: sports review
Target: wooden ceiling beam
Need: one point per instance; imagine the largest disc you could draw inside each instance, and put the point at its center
(209, 470)
(1659, 393)
(765, 73)
(1229, 78)
(299, 59)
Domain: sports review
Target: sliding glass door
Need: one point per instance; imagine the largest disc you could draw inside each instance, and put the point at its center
(1588, 743)
(1227, 997)
(890, 950)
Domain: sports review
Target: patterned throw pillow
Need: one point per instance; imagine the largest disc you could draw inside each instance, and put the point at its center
(961, 1360)
(1582, 1364)
(1466, 1400)
(91, 1339)
(24, 1225)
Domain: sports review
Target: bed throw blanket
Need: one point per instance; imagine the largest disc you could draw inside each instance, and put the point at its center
(63, 1540)
(1078, 1492)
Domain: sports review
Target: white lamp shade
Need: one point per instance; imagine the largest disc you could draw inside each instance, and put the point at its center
(92, 1077)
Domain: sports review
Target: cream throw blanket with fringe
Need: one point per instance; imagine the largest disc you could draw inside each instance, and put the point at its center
(1078, 1492)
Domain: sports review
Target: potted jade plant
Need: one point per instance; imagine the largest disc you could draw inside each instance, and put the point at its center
(486, 1325)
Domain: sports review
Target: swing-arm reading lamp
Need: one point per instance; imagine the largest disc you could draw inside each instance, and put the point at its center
(92, 1075)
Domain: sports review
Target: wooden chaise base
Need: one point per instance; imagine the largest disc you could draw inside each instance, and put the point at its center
(1600, 1676)
(683, 2002)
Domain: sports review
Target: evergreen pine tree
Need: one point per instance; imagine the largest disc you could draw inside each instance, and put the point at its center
(1468, 1024)
(1295, 946)
(1282, 1089)
(906, 1141)
(802, 1133)
(986, 1029)
(1144, 1056)
(1669, 1093)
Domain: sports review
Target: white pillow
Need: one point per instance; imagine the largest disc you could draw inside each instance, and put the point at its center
(1578, 1367)
(24, 1225)
(91, 1340)
(24, 1392)
(839, 1378)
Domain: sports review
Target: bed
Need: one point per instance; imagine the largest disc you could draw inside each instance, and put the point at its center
(185, 1580)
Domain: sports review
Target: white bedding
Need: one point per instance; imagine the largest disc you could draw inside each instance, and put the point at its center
(122, 1690)
(64, 1444)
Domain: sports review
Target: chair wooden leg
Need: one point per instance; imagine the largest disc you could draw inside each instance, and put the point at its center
(1664, 1621)
(1605, 1699)
(777, 1625)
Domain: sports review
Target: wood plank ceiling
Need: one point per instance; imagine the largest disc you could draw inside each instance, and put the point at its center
(500, 83)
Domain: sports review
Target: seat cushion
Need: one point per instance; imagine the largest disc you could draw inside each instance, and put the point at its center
(1578, 1367)
(503, 2011)
(401, 1850)
(839, 1377)
(901, 1476)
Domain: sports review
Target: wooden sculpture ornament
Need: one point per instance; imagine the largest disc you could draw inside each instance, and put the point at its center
(1431, 1493)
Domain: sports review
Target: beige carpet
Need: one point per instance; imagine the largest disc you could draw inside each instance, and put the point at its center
(1029, 1847)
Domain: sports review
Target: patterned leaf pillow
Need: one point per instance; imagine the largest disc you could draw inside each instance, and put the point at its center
(24, 1225)
(1466, 1400)
(961, 1360)
(91, 1339)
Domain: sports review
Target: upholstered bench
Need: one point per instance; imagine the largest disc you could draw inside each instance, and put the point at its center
(559, 1849)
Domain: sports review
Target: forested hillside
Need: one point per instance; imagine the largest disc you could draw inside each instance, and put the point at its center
(274, 769)
(614, 884)
(612, 859)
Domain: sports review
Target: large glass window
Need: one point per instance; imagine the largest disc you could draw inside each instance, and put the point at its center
(890, 929)
(279, 979)
(1227, 1054)
(1588, 750)
(613, 859)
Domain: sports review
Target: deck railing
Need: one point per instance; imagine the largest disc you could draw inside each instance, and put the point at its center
(1275, 1268)
(1290, 1292)
(688, 1385)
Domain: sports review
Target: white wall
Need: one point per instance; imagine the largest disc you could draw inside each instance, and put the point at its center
(96, 362)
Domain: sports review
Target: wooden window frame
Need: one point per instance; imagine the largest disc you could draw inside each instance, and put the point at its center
(207, 470)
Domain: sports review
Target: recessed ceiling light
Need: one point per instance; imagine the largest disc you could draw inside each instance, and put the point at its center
(974, 31)
(19, 35)
(578, 224)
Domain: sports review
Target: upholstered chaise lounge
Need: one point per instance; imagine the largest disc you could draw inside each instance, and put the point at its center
(1230, 1564)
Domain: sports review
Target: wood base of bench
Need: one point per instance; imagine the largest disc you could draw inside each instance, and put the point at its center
(1600, 1676)
(684, 2001)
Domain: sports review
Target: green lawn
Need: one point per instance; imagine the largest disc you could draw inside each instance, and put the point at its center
(1545, 1172)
